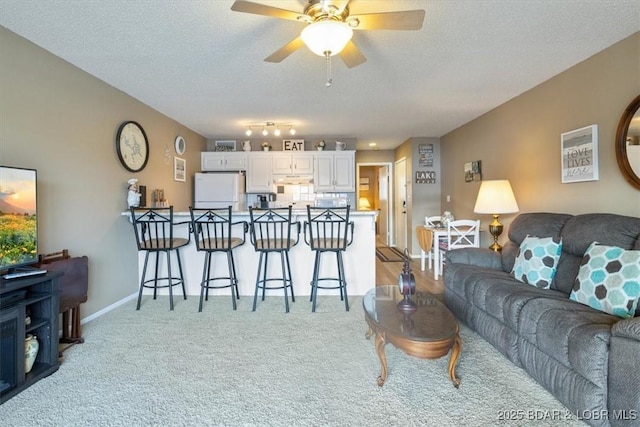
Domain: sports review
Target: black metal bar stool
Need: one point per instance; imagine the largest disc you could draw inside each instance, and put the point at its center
(154, 234)
(328, 231)
(213, 232)
(271, 232)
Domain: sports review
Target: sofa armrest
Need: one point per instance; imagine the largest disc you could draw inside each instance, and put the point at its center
(624, 375)
(627, 328)
(480, 257)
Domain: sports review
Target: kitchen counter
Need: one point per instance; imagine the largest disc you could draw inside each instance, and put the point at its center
(359, 259)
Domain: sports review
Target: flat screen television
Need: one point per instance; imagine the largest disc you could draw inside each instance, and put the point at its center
(18, 218)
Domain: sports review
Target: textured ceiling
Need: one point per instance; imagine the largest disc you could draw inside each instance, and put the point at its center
(202, 64)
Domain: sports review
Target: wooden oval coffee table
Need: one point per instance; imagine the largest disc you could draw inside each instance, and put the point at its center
(429, 333)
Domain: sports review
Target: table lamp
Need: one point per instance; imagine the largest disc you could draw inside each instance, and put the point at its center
(363, 203)
(495, 197)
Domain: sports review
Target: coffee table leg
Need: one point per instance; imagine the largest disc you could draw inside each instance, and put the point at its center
(453, 359)
(380, 343)
(369, 333)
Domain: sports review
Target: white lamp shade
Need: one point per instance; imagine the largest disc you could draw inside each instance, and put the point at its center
(496, 197)
(326, 36)
(363, 203)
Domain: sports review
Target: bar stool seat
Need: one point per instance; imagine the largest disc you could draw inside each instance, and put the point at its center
(272, 231)
(153, 229)
(328, 230)
(213, 231)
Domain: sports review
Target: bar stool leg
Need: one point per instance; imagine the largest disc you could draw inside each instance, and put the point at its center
(207, 261)
(255, 295)
(314, 281)
(235, 276)
(293, 297)
(232, 280)
(343, 282)
(284, 281)
(264, 273)
(144, 274)
(170, 279)
(155, 279)
(184, 291)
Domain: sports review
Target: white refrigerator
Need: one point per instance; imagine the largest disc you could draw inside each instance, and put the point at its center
(219, 190)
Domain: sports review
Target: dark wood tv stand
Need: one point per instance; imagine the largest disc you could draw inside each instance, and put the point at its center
(39, 296)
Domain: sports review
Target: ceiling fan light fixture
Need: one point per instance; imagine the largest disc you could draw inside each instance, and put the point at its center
(324, 37)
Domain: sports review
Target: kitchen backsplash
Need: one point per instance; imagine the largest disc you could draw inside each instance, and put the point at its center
(301, 195)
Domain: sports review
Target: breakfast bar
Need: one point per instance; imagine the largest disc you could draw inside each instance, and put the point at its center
(359, 259)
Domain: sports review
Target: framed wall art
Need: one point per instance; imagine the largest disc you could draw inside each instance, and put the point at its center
(472, 171)
(225, 145)
(179, 169)
(579, 151)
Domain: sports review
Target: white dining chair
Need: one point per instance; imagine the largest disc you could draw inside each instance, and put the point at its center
(462, 233)
(430, 222)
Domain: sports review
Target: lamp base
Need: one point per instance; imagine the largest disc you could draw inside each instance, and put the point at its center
(495, 228)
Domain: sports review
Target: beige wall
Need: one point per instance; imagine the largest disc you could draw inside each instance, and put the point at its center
(520, 141)
(61, 121)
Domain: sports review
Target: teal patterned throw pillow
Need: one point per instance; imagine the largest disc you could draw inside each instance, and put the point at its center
(609, 280)
(536, 261)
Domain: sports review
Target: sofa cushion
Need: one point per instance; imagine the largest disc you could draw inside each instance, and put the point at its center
(609, 280)
(535, 224)
(536, 261)
(495, 292)
(582, 230)
(575, 335)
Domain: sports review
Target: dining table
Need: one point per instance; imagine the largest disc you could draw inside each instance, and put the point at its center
(439, 234)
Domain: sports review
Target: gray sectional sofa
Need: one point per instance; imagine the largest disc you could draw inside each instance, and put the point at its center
(588, 359)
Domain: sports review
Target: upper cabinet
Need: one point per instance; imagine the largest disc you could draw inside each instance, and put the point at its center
(223, 161)
(335, 172)
(285, 163)
(259, 175)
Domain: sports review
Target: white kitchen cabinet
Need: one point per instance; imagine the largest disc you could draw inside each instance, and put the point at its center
(335, 172)
(292, 163)
(259, 174)
(223, 161)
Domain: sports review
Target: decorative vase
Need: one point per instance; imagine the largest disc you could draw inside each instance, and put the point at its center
(265, 148)
(319, 148)
(31, 347)
(246, 145)
(446, 218)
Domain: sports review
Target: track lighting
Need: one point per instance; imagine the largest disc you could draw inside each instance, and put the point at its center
(265, 128)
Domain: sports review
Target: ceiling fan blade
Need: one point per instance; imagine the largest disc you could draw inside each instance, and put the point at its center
(351, 55)
(404, 20)
(261, 9)
(286, 50)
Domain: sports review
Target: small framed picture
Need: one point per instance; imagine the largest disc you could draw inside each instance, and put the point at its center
(579, 151)
(179, 169)
(472, 171)
(225, 145)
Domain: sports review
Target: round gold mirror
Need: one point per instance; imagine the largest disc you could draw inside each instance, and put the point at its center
(628, 143)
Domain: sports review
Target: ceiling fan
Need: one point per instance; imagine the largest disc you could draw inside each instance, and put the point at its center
(329, 27)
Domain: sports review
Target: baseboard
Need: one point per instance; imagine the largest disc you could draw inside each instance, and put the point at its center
(108, 308)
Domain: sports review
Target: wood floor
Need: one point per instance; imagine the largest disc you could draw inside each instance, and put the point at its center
(387, 274)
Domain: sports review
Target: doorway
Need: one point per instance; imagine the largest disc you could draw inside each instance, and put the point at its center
(400, 202)
(374, 192)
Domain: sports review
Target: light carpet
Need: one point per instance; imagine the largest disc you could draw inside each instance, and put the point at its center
(241, 368)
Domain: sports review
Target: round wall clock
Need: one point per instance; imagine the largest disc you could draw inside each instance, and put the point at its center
(132, 146)
(180, 145)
